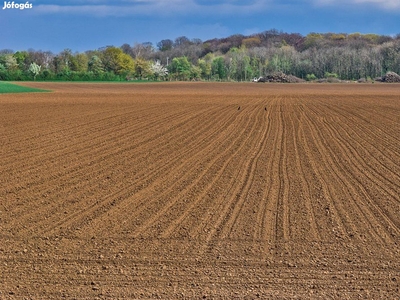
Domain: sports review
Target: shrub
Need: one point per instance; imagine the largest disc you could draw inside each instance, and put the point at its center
(331, 75)
(311, 77)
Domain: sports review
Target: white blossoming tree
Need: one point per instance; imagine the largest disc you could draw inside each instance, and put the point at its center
(158, 70)
(34, 69)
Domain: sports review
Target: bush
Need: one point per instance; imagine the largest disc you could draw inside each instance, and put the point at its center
(331, 75)
(311, 77)
(46, 75)
(14, 75)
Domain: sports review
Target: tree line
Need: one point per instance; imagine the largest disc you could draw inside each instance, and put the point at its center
(234, 58)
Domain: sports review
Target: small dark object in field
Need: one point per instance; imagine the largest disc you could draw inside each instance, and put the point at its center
(239, 108)
(265, 108)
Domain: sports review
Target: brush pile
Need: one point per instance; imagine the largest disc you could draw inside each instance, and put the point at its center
(390, 77)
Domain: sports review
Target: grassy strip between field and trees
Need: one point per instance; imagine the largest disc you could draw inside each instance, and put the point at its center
(7, 88)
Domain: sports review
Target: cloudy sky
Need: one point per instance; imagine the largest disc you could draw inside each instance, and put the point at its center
(82, 25)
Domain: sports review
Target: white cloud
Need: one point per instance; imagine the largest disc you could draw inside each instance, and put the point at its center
(155, 7)
(383, 4)
(389, 4)
(99, 10)
(110, 10)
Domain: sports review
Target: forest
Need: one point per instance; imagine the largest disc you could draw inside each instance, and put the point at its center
(238, 57)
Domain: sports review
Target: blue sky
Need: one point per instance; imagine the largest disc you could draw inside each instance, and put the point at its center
(81, 25)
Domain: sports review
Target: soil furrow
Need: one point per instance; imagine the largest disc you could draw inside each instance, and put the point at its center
(138, 186)
(230, 228)
(200, 198)
(282, 229)
(166, 190)
(200, 190)
(268, 215)
(345, 181)
(78, 180)
(233, 192)
(99, 143)
(228, 143)
(302, 180)
(377, 185)
(336, 222)
(361, 135)
(375, 210)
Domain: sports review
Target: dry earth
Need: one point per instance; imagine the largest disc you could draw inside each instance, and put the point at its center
(124, 191)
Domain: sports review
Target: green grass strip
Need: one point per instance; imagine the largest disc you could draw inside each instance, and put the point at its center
(6, 88)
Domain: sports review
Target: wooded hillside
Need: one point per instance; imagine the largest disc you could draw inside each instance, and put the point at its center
(235, 58)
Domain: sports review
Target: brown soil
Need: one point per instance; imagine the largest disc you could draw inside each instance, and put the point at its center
(124, 191)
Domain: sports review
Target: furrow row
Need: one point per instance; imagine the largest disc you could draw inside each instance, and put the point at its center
(101, 135)
(352, 193)
(379, 191)
(133, 204)
(80, 173)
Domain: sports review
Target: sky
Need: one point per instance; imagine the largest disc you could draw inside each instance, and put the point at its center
(81, 25)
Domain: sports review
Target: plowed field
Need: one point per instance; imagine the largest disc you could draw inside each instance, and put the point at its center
(200, 190)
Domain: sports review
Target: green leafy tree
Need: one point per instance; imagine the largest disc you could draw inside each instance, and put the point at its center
(21, 57)
(95, 65)
(126, 64)
(3, 72)
(142, 68)
(180, 68)
(79, 62)
(218, 69)
(10, 62)
(66, 60)
(205, 68)
(195, 73)
(239, 64)
(116, 61)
